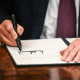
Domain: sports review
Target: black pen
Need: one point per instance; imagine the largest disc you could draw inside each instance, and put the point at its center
(15, 28)
(66, 41)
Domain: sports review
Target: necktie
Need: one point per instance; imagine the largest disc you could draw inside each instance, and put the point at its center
(66, 25)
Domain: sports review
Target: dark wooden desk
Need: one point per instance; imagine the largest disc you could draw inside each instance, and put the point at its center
(9, 72)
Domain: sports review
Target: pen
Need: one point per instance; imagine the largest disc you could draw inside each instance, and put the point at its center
(66, 41)
(15, 28)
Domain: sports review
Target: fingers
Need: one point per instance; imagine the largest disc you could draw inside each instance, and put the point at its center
(77, 58)
(7, 41)
(7, 30)
(66, 52)
(62, 52)
(5, 33)
(6, 37)
(72, 52)
(10, 30)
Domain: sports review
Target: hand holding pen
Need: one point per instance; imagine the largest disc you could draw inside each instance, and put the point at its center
(8, 35)
(15, 28)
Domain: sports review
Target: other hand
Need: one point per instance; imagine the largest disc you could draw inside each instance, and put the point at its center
(72, 52)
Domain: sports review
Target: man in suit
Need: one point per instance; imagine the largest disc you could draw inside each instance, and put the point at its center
(33, 16)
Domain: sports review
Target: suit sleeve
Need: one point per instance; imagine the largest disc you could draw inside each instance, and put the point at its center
(5, 10)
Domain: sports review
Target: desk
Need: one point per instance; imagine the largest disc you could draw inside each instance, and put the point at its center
(9, 72)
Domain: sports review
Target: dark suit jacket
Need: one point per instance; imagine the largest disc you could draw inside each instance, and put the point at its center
(29, 13)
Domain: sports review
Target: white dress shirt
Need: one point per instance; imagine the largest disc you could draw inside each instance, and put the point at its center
(50, 23)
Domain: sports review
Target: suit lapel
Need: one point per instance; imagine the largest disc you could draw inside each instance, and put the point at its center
(39, 12)
(39, 8)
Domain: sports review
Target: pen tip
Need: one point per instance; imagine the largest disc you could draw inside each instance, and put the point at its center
(20, 49)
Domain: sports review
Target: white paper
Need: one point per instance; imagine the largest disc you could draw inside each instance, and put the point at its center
(50, 47)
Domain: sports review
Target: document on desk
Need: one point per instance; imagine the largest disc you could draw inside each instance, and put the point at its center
(39, 52)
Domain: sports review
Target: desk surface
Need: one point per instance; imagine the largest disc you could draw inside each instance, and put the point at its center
(9, 72)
